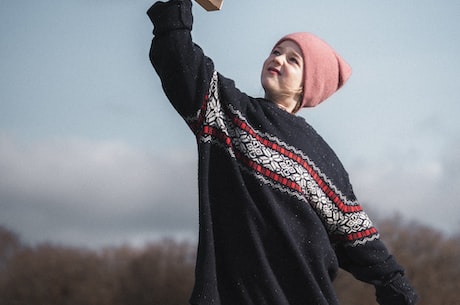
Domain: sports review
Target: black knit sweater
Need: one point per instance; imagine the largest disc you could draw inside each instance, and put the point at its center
(277, 214)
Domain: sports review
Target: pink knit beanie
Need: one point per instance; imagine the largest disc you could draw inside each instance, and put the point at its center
(324, 70)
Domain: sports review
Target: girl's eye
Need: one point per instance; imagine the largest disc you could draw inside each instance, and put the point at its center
(294, 60)
(276, 52)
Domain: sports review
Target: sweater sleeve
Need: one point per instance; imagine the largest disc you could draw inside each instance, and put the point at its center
(373, 264)
(184, 70)
(357, 242)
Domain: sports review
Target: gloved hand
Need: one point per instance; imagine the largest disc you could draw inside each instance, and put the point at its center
(171, 15)
(396, 291)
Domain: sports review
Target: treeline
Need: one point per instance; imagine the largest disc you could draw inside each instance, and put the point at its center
(161, 273)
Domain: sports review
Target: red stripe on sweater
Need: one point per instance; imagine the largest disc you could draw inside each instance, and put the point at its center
(291, 155)
(355, 236)
(208, 130)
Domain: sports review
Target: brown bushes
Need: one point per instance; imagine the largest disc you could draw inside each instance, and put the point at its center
(162, 273)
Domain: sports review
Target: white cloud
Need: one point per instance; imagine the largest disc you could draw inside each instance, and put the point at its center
(77, 191)
(82, 192)
(422, 190)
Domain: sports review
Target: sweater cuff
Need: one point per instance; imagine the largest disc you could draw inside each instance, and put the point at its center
(170, 16)
(397, 291)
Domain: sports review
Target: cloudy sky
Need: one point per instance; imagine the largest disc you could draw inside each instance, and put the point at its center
(92, 154)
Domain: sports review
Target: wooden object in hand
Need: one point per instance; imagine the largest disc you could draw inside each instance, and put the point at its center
(211, 5)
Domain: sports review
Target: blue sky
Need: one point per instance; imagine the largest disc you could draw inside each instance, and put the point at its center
(92, 154)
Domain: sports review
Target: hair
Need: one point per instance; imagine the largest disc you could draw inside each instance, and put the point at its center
(298, 106)
(299, 98)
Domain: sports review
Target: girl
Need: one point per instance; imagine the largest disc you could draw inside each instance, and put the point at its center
(277, 212)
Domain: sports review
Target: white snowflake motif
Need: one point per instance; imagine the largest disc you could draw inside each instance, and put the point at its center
(215, 116)
(270, 160)
(312, 188)
(240, 140)
(301, 176)
(287, 167)
(355, 222)
(319, 199)
(336, 215)
(328, 211)
(367, 223)
(253, 148)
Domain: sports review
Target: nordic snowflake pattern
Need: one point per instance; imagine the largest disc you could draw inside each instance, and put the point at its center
(283, 167)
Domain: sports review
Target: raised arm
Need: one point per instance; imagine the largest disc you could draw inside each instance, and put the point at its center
(184, 70)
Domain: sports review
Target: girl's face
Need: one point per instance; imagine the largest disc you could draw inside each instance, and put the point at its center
(282, 74)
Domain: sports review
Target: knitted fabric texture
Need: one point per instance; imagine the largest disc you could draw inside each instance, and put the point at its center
(324, 70)
(277, 212)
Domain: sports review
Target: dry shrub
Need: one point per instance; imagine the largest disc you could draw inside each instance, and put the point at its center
(162, 272)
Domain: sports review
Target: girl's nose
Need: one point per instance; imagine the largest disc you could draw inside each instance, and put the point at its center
(278, 58)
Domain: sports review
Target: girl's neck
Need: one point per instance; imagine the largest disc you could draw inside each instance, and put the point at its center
(287, 103)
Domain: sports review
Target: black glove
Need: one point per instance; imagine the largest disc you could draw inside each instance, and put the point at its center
(171, 15)
(396, 291)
